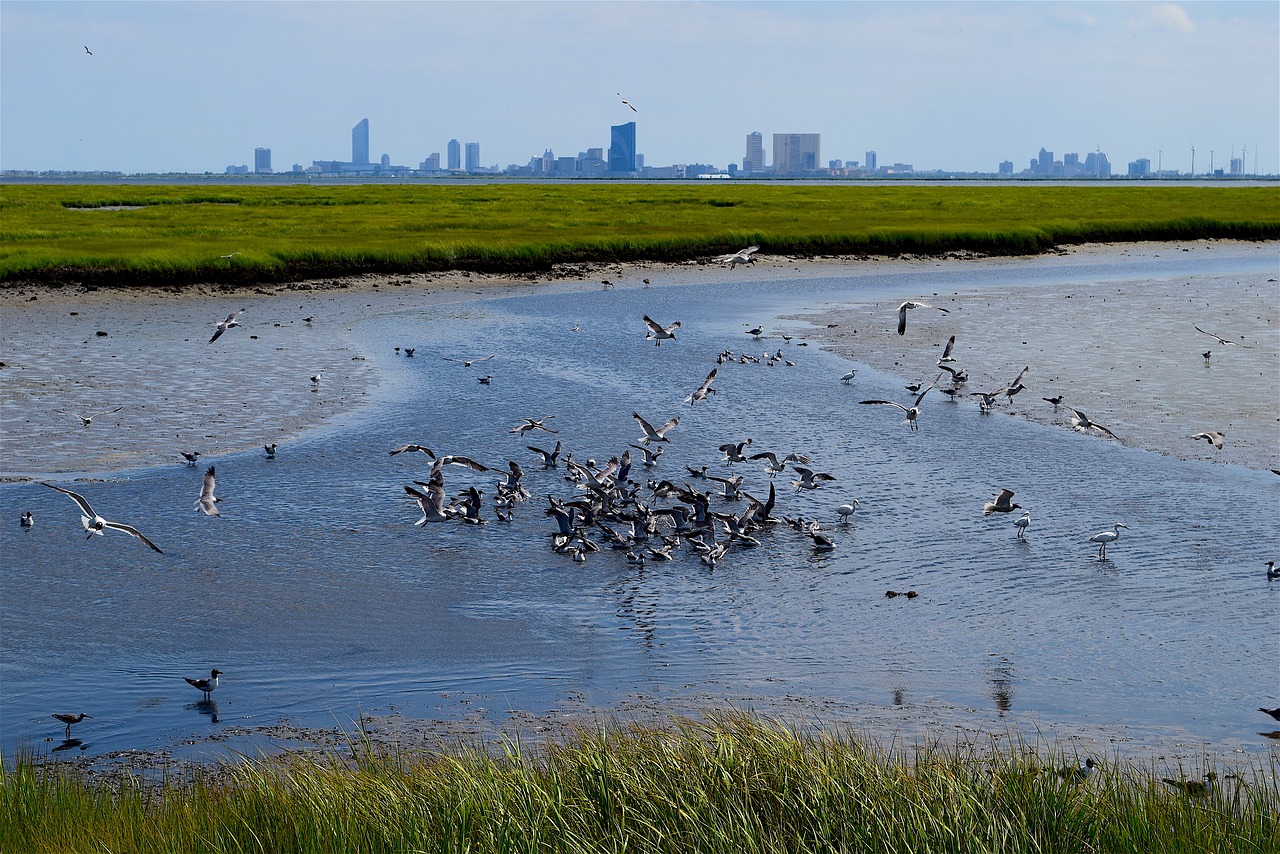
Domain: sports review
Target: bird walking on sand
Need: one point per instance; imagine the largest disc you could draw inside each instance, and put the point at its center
(206, 501)
(913, 411)
(86, 420)
(226, 324)
(659, 333)
(205, 686)
(1106, 538)
(95, 524)
(907, 306)
(1056, 401)
(70, 719)
(1003, 503)
(1022, 524)
(1212, 437)
(742, 256)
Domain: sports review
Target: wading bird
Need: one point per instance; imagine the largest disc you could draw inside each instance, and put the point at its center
(1106, 538)
(1022, 524)
(659, 333)
(907, 306)
(270, 450)
(190, 456)
(205, 686)
(226, 324)
(848, 377)
(94, 524)
(844, 511)
(70, 719)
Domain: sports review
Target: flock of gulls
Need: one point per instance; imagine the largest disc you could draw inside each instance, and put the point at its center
(621, 505)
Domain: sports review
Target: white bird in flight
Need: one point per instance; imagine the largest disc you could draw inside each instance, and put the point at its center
(226, 324)
(1213, 437)
(907, 306)
(652, 435)
(466, 363)
(94, 524)
(702, 390)
(1081, 424)
(1223, 341)
(742, 256)
(658, 332)
(86, 420)
(206, 501)
(629, 104)
(913, 412)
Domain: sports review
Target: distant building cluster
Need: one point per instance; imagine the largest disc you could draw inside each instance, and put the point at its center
(795, 155)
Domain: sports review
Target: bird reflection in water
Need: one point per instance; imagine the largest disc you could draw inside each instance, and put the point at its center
(206, 707)
(1002, 685)
(69, 744)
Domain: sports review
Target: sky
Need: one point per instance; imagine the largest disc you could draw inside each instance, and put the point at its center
(957, 86)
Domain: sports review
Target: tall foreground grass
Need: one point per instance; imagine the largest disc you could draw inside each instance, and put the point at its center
(176, 234)
(734, 784)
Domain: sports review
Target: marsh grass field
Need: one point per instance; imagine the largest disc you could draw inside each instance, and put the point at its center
(732, 782)
(171, 235)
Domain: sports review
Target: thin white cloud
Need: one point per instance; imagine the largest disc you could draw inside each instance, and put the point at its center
(1170, 16)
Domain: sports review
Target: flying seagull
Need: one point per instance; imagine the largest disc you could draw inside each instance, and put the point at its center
(226, 324)
(432, 502)
(530, 424)
(652, 435)
(206, 686)
(86, 420)
(1223, 341)
(658, 332)
(742, 256)
(907, 306)
(1001, 504)
(466, 363)
(913, 412)
(94, 524)
(206, 501)
(1081, 424)
(703, 390)
(1213, 437)
(629, 104)
(86, 50)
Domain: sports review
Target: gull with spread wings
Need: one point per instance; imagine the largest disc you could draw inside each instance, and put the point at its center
(907, 306)
(95, 524)
(232, 320)
(658, 332)
(652, 435)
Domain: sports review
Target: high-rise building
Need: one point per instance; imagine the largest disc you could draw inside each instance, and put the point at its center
(871, 164)
(1044, 163)
(622, 148)
(262, 160)
(455, 155)
(794, 153)
(1097, 165)
(754, 161)
(473, 157)
(432, 163)
(360, 142)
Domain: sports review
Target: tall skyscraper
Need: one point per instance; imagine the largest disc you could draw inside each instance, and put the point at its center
(455, 155)
(871, 164)
(473, 156)
(262, 160)
(622, 148)
(796, 152)
(360, 142)
(754, 161)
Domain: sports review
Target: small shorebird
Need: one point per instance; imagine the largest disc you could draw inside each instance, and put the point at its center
(70, 719)
(1001, 504)
(466, 363)
(907, 306)
(1080, 773)
(848, 377)
(1275, 713)
(86, 420)
(628, 103)
(659, 333)
(1056, 401)
(206, 501)
(1223, 341)
(1207, 354)
(94, 524)
(532, 424)
(226, 324)
(1194, 788)
(913, 412)
(205, 685)
(702, 390)
(27, 520)
(844, 511)
(1105, 538)
(315, 378)
(652, 435)
(1212, 437)
(270, 450)
(742, 256)
(190, 456)
(1022, 524)
(1081, 424)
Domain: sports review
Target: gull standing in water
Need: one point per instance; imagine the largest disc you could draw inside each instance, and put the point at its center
(86, 420)
(1212, 437)
(205, 686)
(270, 450)
(907, 306)
(1105, 538)
(226, 324)
(190, 456)
(659, 333)
(94, 524)
(913, 412)
(206, 501)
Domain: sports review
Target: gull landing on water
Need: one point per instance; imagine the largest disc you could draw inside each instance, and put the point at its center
(226, 324)
(1081, 424)
(907, 306)
(1001, 504)
(94, 524)
(913, 412)
(702, 390)
(658, 332)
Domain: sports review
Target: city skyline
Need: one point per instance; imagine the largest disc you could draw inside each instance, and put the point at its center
(963, 87)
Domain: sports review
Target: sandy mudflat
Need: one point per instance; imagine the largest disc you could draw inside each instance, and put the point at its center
(1124, 352)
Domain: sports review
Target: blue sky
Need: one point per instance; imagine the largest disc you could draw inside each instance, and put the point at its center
(196, 86)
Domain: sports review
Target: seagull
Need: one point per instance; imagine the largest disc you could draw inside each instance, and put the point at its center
(205, 685)
(549, 458)
(70, 719)
(702, 390)
(1080, 773)
(190, 456)
(1022, 523)
(913, 412)
(1105, 538)
(532, 424)
(988, 401)
(756, 332)
(628, 103)
(226, 324)
(230, 256)
(742, 256)
(1212, 437)
(206, 501)
(658, 332)
(411, 449)
(94, 524)
(1056, 401)
(466, 363)
(1207, 354)
(650, 454)
(1272, 571)
(1194, 788)
(432, 502)
(848, 377)
(270, 450)
(946, 353)
(1223, 341)
(1275, 713)
(27, 520)
(847, 510)
(86, 420)
(733, 451)
(652, 435)
(907, 306)
(1002, 504)
(810, 479)
(486, 379)
(1016, 386)
(821, 542)
(315, 378)
(86, 50)
(1081, 424)
(409, 351)
(775, 465)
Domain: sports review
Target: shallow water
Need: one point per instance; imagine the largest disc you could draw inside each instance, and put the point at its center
(321, 601)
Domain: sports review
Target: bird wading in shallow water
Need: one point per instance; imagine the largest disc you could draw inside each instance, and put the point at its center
(70, 719)
(205, 686)
(1106, 538)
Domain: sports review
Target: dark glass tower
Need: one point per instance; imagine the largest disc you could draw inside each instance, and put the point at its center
(622, 148)
(360, 142)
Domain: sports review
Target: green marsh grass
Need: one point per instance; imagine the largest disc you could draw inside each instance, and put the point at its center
(730, 783)
(175, 234)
